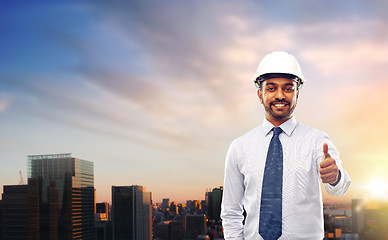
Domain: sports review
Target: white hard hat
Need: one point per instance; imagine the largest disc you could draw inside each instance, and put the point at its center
(278, 63)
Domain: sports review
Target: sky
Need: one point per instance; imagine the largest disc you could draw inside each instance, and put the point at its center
(154, 92)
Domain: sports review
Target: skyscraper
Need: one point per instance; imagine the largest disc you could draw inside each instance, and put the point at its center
(216, 202)
(165, 203)
(131, 213)
(194, 225)
(102, 211)
(15, 212)
(358, 217)
(209, 204)
(1, 219)
(61, 197)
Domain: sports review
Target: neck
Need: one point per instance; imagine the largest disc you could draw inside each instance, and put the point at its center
(277, 121)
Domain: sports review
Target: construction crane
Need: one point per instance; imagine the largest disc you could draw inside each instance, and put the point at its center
(21, 179)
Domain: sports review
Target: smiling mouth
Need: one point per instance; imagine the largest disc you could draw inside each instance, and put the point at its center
(283, 104)
(279, 104)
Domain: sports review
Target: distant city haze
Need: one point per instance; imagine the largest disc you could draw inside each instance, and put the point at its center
(154, 92)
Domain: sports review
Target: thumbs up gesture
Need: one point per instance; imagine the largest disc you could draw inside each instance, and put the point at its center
(328, 167)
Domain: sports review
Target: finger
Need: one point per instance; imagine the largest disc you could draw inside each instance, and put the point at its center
(324, 171)
(325, 151)
(329, 175)
(330, 169)
(327, 163)
(330, 180)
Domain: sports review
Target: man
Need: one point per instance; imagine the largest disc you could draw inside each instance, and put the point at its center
(273, 172)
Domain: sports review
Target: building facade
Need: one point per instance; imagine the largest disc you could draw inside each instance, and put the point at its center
(358, 210)
(213, 203)
(217, 198)
(131, 213)
(15, 212)
(102, 211)
(61, 197)
(194, 225)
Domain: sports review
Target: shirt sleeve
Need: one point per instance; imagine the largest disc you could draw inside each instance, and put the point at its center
(342, 186)
(232, 198)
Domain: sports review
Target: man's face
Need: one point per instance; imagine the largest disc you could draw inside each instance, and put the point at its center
(279, 97)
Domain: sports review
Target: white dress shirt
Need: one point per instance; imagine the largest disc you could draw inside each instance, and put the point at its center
(302, 214)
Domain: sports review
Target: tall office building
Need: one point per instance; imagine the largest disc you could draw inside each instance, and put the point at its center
(376, 222)
(61, 197)
(102, 211)
(131, 213)
(213, 203)
(194, 225)
(216, 203)
(173, 208)
(165, 203)
(15, 212)
(1, 219)
(358, 210)
(209, 204)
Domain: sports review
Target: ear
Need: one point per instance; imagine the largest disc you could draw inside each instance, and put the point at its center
(297, 94)
(260, 95)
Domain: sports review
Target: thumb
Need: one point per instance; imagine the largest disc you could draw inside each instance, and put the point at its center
(325, 151)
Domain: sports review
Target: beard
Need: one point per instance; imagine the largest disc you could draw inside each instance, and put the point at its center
(281, 115)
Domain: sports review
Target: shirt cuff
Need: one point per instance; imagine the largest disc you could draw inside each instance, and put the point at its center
(338, 179)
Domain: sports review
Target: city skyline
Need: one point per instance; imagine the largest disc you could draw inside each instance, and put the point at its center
(153, 93)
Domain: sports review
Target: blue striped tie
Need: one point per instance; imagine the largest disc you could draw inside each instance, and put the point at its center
(270, 226)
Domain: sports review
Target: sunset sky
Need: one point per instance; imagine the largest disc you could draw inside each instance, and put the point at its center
(153, 92)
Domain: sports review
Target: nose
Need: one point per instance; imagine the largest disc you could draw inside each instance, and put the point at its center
(279, 95)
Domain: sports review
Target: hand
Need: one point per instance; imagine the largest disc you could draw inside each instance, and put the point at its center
(328, 167)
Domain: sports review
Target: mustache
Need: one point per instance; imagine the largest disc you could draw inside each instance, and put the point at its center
(279, 101)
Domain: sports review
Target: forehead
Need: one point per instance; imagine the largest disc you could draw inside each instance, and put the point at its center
(279, 81)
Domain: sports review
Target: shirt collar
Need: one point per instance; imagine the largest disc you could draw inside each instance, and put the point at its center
(287, 127)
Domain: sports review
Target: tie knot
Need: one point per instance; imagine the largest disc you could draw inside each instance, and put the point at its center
(277, 131)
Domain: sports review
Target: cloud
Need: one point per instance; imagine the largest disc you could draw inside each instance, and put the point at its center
(352, 57)
(170, 82)
(359, 132)
(4, 102)
(186, 82)
(168, 71)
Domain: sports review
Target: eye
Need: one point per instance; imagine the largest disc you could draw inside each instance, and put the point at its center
(270, 89)
(289, 89)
